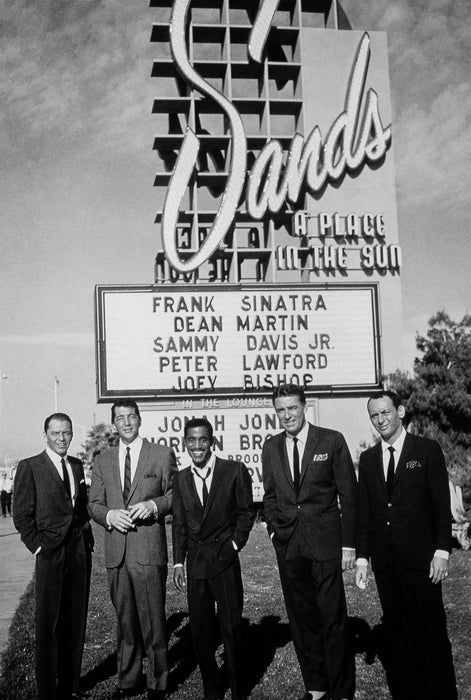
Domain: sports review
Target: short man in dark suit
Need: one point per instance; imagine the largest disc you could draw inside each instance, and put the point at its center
(404, 525)
(50, 513)
(213, 513)
(130, 495)
(309, 483)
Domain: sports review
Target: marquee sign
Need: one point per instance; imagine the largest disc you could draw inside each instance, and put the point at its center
(170, 342)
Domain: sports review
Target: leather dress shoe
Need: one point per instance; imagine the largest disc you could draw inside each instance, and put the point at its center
(79, 695)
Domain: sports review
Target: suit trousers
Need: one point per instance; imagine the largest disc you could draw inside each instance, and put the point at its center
(315, 603)
(421, 663)
(225, 591)
(138, 595)
(62, 589)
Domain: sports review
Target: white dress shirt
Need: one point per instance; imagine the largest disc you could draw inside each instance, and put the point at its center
(57, 462)
(301, 444)
(203, 471)
(134, 452)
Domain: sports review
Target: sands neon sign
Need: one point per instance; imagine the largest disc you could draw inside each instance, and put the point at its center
(355, 138)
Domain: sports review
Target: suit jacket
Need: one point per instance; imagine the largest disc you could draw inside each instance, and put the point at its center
(43, 511)
(310, 523)
(417, 518)
(205, 536)
(152, 482)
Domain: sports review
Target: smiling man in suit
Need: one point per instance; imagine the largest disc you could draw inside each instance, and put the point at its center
(213, 513)
(310, 492)
(130, 495)
(50, 513)
(404, 525)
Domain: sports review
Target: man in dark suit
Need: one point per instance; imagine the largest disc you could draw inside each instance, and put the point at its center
(309, 501)
(404, 525)
(213, 513)
(50, 513)
(130, 495)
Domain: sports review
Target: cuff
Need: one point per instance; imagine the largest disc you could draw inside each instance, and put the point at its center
(156, 510)
(442, 553)
(37, 551)
(362, 562)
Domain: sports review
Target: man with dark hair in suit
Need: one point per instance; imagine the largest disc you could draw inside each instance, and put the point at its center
(130, 495)
(309, 501)
(213, 513)
(404, 525)
(50, 513)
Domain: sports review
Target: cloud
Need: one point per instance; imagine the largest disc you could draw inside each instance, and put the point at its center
(83, 340)
(73, 75)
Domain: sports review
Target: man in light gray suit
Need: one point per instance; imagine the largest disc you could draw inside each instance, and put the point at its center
(130, 495)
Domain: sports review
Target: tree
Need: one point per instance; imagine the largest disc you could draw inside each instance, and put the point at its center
(100, 438)
(437, 396)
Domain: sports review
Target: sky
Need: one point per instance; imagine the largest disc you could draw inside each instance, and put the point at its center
(77, 204)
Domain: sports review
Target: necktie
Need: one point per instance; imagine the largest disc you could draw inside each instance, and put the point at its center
(65, 477)
(295, 464)
(205, 487)
(390, 474)
(127, 474)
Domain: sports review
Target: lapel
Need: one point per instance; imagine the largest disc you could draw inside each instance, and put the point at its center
(190, 493)
(52, 469)
(76, 475)
(406, 450)
(113, 459)
(283, 455)
(378, 459)
(141, 463)
(216, 483)
(311, 444)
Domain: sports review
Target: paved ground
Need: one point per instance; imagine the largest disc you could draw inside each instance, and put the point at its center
(16, 566)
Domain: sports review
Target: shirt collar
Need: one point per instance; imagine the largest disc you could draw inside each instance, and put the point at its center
(302, 435)
(54, 457)
(132, 445)
(398, 444)
(209, 465)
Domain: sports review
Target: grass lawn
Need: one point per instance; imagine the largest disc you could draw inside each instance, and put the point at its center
(272, 669)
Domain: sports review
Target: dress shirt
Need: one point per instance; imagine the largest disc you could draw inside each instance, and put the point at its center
(134, 452)
(203, 471)
(57, 462)
(398, 445)
(301, 444)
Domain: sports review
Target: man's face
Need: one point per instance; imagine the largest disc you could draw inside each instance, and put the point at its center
(198, 443)
(291, 413)
(59, 436)
(386, 418)
(127, 424)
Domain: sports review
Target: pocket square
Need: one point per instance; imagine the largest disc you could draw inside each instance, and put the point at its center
(320, 458)
(82, 481)
(413, 465)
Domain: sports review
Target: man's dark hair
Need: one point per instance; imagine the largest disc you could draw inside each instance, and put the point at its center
(124, 403)
(57, 416)
(198, 423)
(289, 390)
(386, 393)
